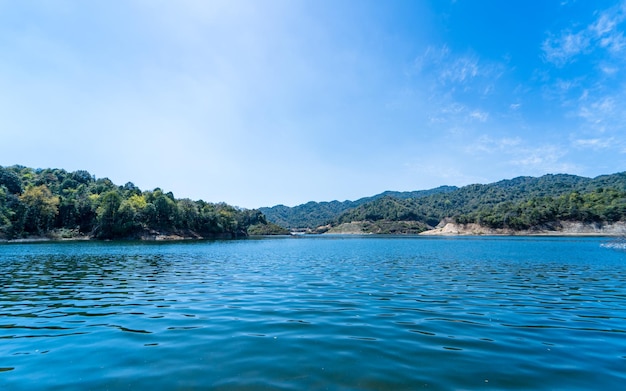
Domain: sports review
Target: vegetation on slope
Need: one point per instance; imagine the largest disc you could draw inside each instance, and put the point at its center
(37, 202)
(314, 214)
(519, 203)
(40, 202)
(598, 206)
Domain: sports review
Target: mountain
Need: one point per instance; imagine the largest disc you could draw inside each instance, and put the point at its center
(60, 204)
(314, 214)
(518, 203)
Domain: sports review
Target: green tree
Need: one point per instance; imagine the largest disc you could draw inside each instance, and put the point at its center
(41, 208)
(166, 212)
(188, 213)
(10, 180)
(109, 223)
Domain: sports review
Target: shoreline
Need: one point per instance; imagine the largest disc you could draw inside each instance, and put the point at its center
(161, 238)
(152, 236)
(449, 228)
(563, 228)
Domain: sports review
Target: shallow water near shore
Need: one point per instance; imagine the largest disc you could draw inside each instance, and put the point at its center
(368, 313)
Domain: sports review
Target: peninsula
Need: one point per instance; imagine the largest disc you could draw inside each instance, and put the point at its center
(56, 204)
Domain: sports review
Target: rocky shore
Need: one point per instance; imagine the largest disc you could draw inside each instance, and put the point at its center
(561, 228)
(146, 235)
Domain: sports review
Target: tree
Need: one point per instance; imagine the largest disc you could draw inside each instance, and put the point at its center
(41, 208)
(166, 212)
(188, 213)
(108, 219)
(10, 180)
(35, 201)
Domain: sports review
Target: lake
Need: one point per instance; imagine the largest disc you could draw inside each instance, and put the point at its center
(324, 312)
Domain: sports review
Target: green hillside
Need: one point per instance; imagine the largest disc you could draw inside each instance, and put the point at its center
(518, 203)
(54, 202)
(57, 203)
(314, 214)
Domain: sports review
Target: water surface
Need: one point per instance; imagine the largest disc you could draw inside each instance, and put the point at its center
(370, 313)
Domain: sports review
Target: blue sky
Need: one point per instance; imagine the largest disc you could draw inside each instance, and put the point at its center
(258, 103)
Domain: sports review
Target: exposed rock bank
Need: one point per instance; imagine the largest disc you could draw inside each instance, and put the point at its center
(562, 228)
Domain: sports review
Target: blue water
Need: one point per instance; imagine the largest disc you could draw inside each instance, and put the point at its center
(336, 313)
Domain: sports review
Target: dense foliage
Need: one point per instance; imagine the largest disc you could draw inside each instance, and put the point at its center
(315, 214)
(45, 202)
(599, 206)
(518, 203)
(37, 202)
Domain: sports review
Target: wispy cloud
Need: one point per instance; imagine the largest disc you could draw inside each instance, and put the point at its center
(457, 113)
(459, 86)
(590, 92)
(603, 33)
(596, 112)
(479, 115)
(443, 170)
(595, 143)
(542, 159)
(465, 71)
(524, 155)
(559, 50)
(602, 114)
(487, 144)
(447, 112)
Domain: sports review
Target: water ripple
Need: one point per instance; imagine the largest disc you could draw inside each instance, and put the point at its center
(318, 313)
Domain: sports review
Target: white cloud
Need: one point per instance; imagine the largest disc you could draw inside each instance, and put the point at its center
(479, 115)
(458, 114)
(599, 112)
(604, 25)
(487, 144)
(443, 170)
(447, 113)
(542, 159)
(461, 89)
(603, 33)
(460, 70)
(609, 70)
(559, 50)
(595, 143)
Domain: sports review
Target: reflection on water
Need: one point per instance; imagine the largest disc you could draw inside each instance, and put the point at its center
(321, 313)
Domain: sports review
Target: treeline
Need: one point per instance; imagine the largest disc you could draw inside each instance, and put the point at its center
(519, 203)
(598, 206)
(36, 202)
(393, 209)
(314, 214)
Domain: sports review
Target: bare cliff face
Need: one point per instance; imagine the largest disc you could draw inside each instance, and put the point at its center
(562, 228)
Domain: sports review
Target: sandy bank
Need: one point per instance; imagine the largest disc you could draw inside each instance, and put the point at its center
(563, 228)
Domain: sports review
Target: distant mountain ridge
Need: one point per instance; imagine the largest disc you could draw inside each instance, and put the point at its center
(518, 203)
(314, 214)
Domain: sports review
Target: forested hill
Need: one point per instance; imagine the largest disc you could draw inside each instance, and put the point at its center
(57, 203)
(314, 214)
(519, 203)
